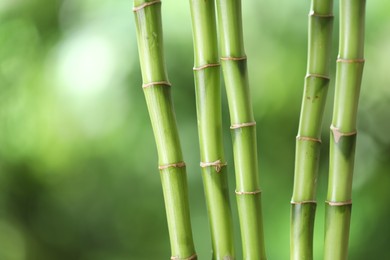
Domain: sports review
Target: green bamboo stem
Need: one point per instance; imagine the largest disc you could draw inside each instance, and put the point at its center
(343, 129)
(243, 128)
(208, 103)
(308, 142)
(158, 98)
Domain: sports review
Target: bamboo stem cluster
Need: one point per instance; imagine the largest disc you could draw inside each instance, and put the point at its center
(157, 89)
(343, 130)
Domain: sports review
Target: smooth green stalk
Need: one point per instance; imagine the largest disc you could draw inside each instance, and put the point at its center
(343, 130)
(308, 142)
(159, 102)
(208, 103)
(243, 127)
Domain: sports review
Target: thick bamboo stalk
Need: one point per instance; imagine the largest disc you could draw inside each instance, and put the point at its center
(208, 103)
(308, 142)
(158, 97)
(243, 128)
(343, 129)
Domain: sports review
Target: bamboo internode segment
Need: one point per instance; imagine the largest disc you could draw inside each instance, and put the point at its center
(312, 13)
(157, 83)
(351, 60)
(304, 202)
(236, 126)
(172, 165)
(247, 192)
(312, 75)
(306, 138)
(193, 257)
(217, 164)
(206, 66)
(137, 8)
(234, 58)
(339, 203)
(337, 134)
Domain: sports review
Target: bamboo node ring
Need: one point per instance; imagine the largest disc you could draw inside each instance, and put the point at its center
(234, 58)
(303, 202)
(248, 192)
(313, 75)
(339, 203)
(350, 60)
(236, 126)
(193, 257)
(151, 84)
(206, 66)
(137, 8)
(217, 164)
(337, 134)
(314, 14)
(306, 138)
(172, 165)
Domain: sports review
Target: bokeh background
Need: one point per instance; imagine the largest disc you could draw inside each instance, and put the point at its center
(78, 163)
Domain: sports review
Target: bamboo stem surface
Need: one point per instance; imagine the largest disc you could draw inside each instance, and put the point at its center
(157, 92)
(343, 129)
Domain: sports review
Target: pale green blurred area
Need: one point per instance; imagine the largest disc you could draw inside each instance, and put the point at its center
(78, 164)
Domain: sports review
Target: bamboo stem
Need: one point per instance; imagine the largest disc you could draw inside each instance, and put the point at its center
(243, 128)
(308, 142)
(343, 129)
(208, 104)
(158, 98)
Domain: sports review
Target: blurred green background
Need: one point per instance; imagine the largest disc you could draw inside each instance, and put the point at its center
(78, 164)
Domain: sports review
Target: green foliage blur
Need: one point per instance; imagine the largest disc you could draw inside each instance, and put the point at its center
(78, 163)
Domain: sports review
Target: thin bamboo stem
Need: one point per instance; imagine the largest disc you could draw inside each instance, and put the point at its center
(308, 141)
(343, 129)
(158, 98)
(208, 103)
(243, 128)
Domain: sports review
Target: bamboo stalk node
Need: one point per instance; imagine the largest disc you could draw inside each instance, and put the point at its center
(137, 8)
(193, 257)
(339, 203)
(350, 60)
(217, 164)
(247, 192)
(172, 165)
(206, 66)
(306, 138)
(314, 14)
(337, 134)
(151, 84)
(236, 126)
(313, 75)
(234, 58)
(303, 202)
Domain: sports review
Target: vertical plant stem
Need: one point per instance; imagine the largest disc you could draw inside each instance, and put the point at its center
(243, 128)
(208, 103)
(158, 97)
(343, 129)
(308, 142)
